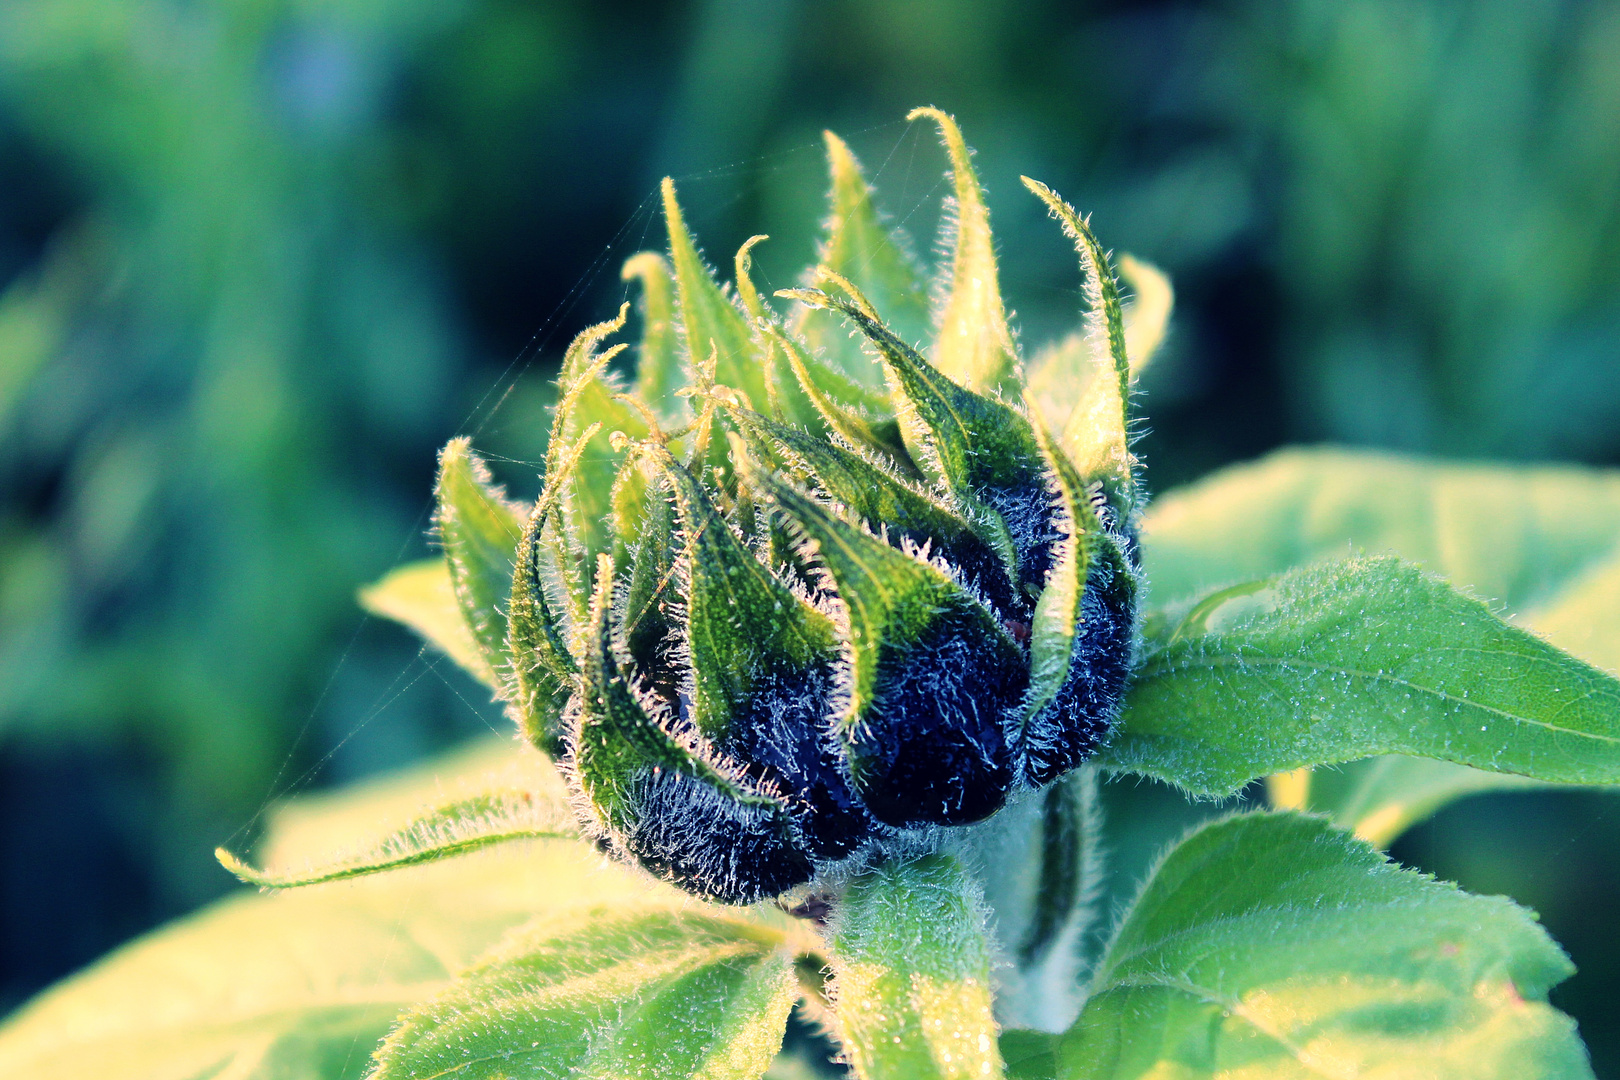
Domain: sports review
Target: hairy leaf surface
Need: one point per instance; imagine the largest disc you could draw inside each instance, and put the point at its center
(1274, 945)
(302, 985)
(1338, 662)
(1518, 536)
(607, 993)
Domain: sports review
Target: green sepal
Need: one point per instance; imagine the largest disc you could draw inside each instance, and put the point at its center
(456, 828)
(1147, 313)
(596, 500)
(586, 396)
(984, 451)
(1057, 612)
(1097, 435)
(479, 530)
(857, 245)
(622, 735)
(658, 362)
(1061, 373)
(711, 321)
(652, 599)
(540, 624)
(667, 800)
(879, 498)
(932, 676)
(743, 625)
(858, 415)
(973, 345)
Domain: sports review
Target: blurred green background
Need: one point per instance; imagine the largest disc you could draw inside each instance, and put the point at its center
(259, 259)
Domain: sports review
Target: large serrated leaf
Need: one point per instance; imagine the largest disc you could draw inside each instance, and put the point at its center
(609, 994)
(911, 970)
(1543, 540)
(1272, 945)
(1368, 656)
(302, 985)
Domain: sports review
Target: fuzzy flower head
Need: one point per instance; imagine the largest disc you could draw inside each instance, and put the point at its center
(817, 579)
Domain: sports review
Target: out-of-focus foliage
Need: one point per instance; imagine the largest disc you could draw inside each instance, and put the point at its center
(260, 258)
(1448, 215)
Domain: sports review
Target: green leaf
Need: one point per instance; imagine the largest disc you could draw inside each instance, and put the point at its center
(858, 246)
(658, 364)
(1382, 797)
(606, 994)
(1543, 540)
(1524, 537)
(911, 971)
(1030, 1055)
(1584, 616)
(302, 985)
(455, 828)
(1273, 945)
(1341, 661)
(479, 529)
(420, 596)
(712, 322)
(972, 346)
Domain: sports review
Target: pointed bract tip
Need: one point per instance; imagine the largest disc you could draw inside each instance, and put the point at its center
(839, 154)
(813, 297)
(828, 274)
(643, 264)
(949, 133)
(672, 208)
(238, 869)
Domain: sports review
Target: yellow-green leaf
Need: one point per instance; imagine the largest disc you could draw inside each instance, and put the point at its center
(420, 596)
(1272, 945)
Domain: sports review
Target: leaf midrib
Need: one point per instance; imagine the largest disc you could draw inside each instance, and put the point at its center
(1249, 660)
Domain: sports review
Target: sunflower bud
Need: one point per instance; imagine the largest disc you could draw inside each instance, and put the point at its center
(802, 588)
